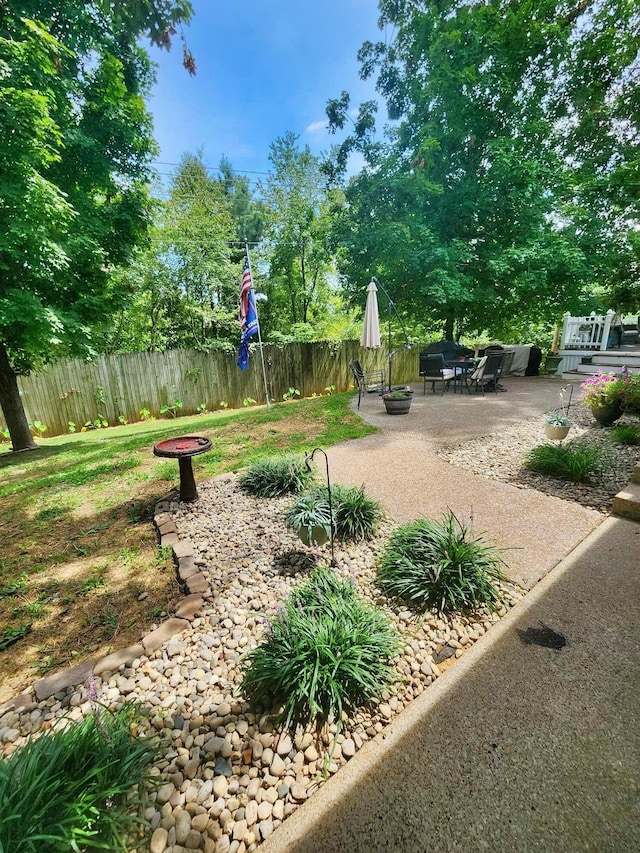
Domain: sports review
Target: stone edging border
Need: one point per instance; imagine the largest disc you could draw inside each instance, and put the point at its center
(190, 579)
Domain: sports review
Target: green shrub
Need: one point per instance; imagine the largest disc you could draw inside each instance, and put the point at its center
(575, 462)
(626, 434)
(355, 515)
(439, 565)
(75, 787)
(278, 475)
(325, 652)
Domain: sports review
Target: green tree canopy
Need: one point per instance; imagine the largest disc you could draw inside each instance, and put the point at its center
(473, 208)
(186, 281)
(296, 207)
(74, 166)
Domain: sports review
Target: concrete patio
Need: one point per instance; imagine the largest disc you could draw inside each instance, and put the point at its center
(400, 467)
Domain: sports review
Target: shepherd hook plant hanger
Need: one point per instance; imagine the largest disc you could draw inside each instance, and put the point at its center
(308, 459)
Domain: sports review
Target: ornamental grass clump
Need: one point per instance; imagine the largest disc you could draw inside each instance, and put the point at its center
(355, 514)
(287, 474)
(575, 462)
(325, 652)
(440, 565)
(77, 787)
(626, 434)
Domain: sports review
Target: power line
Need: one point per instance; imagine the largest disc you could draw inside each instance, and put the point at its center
(217, 168)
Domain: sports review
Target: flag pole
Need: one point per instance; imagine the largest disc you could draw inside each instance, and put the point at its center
(264, 372)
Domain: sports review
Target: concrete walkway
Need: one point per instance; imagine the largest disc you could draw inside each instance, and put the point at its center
(518, 746)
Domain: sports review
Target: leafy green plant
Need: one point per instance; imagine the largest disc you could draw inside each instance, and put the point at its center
(329, 390)
(171, 409)
(76, 787)
(575, 462)
(626, 434)
(202, 409)
(290, 394)
(355, 514)
(99, 395)
(396, 395)
(193, 374)
(324, 652)
(145, 415)
(9, 635)
(223, 404)
(38, 427)
(277, 475)
(558, 419)
(15, 587)
(248, 401)
(98, 423)
(439, 565)
(309, 517)
(71, 426)
(5, 435)
(122, 419)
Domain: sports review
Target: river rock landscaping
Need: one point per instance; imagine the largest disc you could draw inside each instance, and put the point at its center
(501, 456)
(228, 776)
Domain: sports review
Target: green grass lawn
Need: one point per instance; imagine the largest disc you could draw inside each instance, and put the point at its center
(79, 547)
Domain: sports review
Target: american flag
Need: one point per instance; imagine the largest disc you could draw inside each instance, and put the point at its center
(248, 315)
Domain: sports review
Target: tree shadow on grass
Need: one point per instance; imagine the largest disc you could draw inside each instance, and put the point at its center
(85, 584)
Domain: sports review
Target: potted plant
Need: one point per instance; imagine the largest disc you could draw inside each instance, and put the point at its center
(557, 426)
(397, 402)
(604, 394)
(310, 518)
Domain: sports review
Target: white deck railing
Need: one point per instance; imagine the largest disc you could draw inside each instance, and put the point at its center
(586, 333)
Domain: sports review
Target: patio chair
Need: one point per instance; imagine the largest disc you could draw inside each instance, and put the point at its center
(432, 369)
(487, 373)
(505, 370)
(372, 380)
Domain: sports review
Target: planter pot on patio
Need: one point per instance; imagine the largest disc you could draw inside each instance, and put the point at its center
(397, 405)
(556, 433)
(608, 414)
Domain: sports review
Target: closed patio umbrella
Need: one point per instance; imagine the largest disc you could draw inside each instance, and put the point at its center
(370, 338)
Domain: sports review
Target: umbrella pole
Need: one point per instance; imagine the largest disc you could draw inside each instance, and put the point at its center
(389, 343)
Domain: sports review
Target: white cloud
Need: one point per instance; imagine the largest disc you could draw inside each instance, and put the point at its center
(316, 126)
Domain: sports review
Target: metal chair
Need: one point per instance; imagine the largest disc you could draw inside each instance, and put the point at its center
(432, 369)
(372, 380)
(487, 372)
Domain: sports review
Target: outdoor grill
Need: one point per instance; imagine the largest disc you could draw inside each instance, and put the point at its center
(451, 351)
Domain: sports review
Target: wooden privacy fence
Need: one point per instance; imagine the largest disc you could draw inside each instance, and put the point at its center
(121, 386)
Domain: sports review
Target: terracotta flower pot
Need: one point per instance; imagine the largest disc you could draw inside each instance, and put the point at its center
(607, 414)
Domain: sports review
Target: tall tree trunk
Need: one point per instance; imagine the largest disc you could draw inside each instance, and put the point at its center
(12, 407)
(449, 323)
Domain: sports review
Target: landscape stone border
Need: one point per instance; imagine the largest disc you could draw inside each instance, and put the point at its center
(191, 581)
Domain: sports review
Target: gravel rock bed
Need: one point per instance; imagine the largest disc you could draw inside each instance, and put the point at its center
(501, 457)
(227, 776)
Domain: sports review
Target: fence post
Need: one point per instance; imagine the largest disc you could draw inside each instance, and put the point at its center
(565, 327)
(608, 319)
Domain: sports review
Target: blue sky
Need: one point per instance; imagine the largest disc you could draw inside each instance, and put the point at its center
(264, 67)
